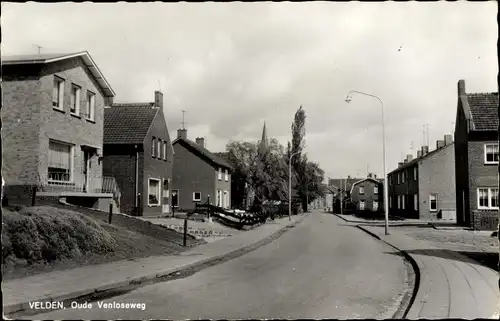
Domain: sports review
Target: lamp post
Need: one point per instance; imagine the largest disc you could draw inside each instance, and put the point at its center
(290, 186)
(386, 189)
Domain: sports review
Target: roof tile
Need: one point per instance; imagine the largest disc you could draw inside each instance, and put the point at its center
(205, 152)
(128, 124)
(484, 110)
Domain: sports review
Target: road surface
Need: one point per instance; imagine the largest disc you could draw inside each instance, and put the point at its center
(318, 269)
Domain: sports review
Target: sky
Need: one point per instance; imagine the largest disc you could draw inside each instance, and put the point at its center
(233, 66)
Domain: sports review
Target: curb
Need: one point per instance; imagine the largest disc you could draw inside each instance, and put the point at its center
(131, 283)
(406, 303)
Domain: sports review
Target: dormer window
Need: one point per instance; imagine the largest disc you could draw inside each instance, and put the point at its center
(491, 153)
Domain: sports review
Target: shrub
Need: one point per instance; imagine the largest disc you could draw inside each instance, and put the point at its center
(45, 234)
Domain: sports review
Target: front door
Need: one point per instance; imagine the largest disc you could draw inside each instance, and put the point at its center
(219, 198)
(175, 198)
(85, 170)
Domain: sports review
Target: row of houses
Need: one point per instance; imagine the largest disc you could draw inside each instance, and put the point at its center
(457, 181)
(63, 134)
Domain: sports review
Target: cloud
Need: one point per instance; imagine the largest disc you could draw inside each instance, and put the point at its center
(232, 66)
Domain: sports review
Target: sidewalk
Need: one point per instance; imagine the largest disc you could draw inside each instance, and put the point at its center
(450, 285)
(445, 224)
(71, 284)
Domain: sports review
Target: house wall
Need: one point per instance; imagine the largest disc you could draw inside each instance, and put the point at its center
(223, 186)
(191, 174)
(369, 196)
(21, 125)
(461, 167)
(157, 168)
(65, 127)
(409, 188)
(119, 162)
(437, 176)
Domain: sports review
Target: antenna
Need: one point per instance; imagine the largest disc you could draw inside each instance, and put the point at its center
(183, 122)
(411, 147)
(427, 127)
(39, 48)
(159, 85)
(423, 135)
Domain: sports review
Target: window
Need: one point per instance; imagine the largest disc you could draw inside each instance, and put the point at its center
(226, 174)
(433, 202)
(58, 93)
(415, 202)
(220, 174)
(375, 205)
(402, 177)
(390, 201)
(153, 147)
(159, 149)
(89, 113)
(491, 153)
(226, 199)
(165, 150)
(60, 165)
(361, 205)
(415, 173)
(154, 192)
(399, 174)
(196, 196)
(375, 190)
(75, 100)
(399, 201)
(361, 190)
(487, 198)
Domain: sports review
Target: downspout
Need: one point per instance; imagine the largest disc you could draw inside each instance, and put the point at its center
(136, 177)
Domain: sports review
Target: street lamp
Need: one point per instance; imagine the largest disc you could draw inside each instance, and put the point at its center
(290, 186)
(386, 189)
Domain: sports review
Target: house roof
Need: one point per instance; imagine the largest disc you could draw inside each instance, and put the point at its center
(484, 111)
(125, 124)
(416, 160)
(203, 152)
(48, 58)
(376, 180)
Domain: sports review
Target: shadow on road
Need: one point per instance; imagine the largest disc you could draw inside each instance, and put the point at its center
(488, 259)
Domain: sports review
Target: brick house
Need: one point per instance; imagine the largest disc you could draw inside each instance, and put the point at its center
(336, 185)
(198, 174)
(52, 125)
(424, 187)
(138, 153)
(367, 194)
(476, 152)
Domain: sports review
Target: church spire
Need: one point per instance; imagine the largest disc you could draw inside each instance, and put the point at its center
(264, 143)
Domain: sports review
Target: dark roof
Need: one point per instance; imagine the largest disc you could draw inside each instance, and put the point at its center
(128, 124)
(204, 152)
(416, 160)
(48, 58)
(484, 111)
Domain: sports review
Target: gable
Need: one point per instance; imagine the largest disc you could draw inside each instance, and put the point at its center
(127, 125)
(203, 153)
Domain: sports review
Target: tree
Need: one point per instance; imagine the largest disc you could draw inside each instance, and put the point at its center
(299, 161)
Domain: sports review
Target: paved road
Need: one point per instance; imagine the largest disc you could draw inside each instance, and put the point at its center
(318, 269)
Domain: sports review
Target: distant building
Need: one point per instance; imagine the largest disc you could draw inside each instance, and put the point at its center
(424, 187)
(367, 194)
(476, 153)
(199, 175)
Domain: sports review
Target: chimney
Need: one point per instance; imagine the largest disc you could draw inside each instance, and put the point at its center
(461, 87)
(405, 161)
(375, 176)
(182, 133)
(369, 175)
(448, 139)
(348, 176)
(419, 153)
(439, 144)
(400, 164)
(159, 99)
(409, 157)
(108, 101)
(200, 141)
(425, 150)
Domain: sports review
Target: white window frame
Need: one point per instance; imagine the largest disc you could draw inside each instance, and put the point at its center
(219, 174)
(153, 146)
(60, 93)
(90, 105)
(362, 207)
(158, 190)
(399, 201)
(361, 190)
(165, 150)
(226, 175)
(390, 201)
(490, 196)
(375, 202)
(430, 202)
(76, 99)
(225, 196)
(402, 177)
(486, 153)
(415, 202)
(71, 162)
(158, 148)
(375, 190)
(195, 199)
(414, 173)
(403, 201)
(399, 177)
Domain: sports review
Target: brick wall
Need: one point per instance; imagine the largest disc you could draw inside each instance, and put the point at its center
(368, 196)
(408, 188)
(155, 167)
(437, 176)
(120, 162)
(192, 174)
(485, 220)
(480, 175)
